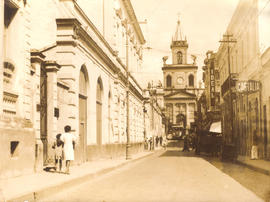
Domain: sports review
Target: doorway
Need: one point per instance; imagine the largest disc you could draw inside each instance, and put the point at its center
(42, 108)
(99, 112)
(80, 151)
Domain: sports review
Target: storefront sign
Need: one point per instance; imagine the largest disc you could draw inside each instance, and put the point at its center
(212, 83)
(247, 86)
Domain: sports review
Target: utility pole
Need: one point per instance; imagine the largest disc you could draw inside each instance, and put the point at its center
(128, 156)
(126, 22)
(228, 39)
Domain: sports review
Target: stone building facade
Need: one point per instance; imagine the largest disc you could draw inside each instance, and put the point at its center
(210, 100)
(154, 112)
(180, 86)
(17, 137)
(244, 105)
(68, 70)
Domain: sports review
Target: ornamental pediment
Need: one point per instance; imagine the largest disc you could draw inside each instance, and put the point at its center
(180, 95)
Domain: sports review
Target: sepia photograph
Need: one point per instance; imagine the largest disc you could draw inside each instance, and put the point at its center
(134, 101)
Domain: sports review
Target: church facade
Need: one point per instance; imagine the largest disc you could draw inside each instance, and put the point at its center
(180, 86)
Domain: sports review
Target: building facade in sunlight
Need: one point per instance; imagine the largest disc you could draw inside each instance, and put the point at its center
(180, 86)
(67, 65)
(209, 102)
(243, 66)
(154, 112)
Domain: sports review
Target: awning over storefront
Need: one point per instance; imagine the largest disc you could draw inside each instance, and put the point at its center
(215, 127)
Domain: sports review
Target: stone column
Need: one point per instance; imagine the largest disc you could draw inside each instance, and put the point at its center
(1, 52)
(51, 69)
(36, 64)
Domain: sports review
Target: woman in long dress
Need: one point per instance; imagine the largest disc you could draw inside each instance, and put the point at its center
(69, 141)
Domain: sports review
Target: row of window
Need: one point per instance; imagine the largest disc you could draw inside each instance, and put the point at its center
(180, 81)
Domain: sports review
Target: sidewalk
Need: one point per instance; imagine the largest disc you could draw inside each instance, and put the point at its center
(259, 165)
(38, 185)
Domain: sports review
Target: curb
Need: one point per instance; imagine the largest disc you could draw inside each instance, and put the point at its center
(261, 170)
(45, 192)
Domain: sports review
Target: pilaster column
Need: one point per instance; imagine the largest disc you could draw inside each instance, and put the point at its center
(51, 68)
(37, 59)
(1, 53)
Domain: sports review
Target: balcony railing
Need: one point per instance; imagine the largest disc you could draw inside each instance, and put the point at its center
(225, 87)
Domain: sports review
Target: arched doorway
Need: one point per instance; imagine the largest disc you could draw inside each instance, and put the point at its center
(99, 111)
(80, 150)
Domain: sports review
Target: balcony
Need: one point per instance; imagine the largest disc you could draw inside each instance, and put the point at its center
(225, 87)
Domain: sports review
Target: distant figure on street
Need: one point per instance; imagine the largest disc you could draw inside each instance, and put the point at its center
(150, 143)
(192, 140)
(145, 143)
(58, 153)
(157, 140)
(69, 143)
(164, 143)
(254, 148)
(186, 146)
(160, 140)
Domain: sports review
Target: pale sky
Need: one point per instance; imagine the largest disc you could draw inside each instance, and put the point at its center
(203, 22)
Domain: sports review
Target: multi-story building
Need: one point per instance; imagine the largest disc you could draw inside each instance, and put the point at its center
(154, 115)
(180, 85)
(243, 82)
(17, 137)
(68, 65)
(210, 100)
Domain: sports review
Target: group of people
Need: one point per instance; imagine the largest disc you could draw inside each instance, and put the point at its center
(152, 142)
(64, 146)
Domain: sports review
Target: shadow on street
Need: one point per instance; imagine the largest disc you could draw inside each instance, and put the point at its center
(172, 152)
(258, 183)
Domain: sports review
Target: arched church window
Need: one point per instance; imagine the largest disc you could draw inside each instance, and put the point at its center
(191, 80)
(179, 57)
(169, 81)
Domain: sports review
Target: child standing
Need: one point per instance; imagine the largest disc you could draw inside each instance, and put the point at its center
(58, 148)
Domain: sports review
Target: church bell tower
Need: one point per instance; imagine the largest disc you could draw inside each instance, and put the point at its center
(179, 46)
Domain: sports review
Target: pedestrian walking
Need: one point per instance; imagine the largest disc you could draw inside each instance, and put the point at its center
(150, 143)
(157, 140)
(69, 145)
(164, 143)
(160, 140)
(145, 143)
(192, 140)
(58, 153)
(186, 145)
(254, 148)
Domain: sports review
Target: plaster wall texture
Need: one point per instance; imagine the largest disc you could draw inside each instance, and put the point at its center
(247, 59)
(35, 28)
(16, 122)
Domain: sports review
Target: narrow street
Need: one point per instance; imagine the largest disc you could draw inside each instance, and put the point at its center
(172, 175)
